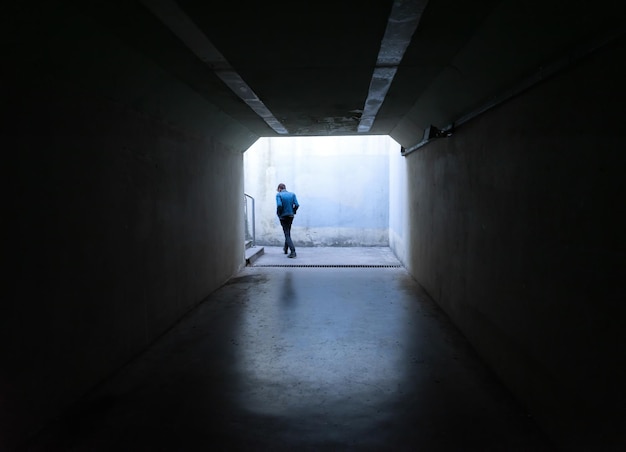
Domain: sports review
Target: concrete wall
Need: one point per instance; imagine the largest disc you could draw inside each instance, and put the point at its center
(399, 215)
(517, 231)
(342, 184)
(119, 223)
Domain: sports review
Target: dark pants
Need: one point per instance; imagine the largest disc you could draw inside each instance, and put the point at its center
(285, 222)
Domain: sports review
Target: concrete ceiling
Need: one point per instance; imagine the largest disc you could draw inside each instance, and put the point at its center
(351, 67)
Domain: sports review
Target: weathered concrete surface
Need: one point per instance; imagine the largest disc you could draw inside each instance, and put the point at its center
(315, 359)
(329, 256)
(517, 231)
(342, 184)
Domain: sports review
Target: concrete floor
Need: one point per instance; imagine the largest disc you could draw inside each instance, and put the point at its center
(304, 359)
(273, 256)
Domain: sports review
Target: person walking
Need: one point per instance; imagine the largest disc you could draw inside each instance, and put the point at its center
(286, 207)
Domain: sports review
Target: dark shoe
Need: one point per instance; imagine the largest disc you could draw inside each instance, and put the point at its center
(285, 249)
(293, 254)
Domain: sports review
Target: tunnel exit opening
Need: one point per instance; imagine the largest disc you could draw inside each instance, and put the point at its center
(342, 184)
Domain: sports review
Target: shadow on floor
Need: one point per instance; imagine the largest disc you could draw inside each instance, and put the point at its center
(304, 359)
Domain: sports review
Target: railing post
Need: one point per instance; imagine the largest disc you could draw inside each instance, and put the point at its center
(253, 224)
(253, 218)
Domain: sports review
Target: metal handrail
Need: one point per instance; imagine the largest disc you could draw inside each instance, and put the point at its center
(253, 217)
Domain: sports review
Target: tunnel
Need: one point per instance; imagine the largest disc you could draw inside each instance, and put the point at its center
(125, 126)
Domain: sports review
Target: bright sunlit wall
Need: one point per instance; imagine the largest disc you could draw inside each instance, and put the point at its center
(342, 185)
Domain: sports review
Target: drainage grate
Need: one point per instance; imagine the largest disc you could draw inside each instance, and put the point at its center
(330, 265)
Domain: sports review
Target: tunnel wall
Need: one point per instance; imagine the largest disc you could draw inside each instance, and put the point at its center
(517, 231)
(399, 227)
(119, 223)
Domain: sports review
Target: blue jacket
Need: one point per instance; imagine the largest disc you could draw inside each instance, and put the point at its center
(286, 204)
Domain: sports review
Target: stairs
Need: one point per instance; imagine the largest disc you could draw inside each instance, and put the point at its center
(252, 253)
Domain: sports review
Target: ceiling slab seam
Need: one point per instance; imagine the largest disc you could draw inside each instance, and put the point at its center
(402, 22)
(168, 12)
